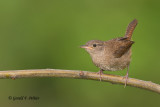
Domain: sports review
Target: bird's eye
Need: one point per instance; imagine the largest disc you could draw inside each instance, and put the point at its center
(94, 45)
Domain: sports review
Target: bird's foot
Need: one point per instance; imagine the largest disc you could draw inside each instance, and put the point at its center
(126, 79)
(13, 77)
(100, 72)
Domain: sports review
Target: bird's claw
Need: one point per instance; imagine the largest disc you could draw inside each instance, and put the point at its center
(126, 79)
(100, 73)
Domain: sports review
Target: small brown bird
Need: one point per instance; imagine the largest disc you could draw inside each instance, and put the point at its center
(112, 55)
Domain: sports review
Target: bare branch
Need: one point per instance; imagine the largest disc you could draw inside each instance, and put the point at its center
(148, 85)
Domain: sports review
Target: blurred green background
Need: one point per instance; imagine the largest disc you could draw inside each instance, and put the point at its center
(47, 34)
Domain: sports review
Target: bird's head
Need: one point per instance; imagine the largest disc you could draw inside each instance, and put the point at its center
(93, 46)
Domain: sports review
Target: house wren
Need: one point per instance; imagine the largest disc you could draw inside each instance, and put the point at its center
(112, 55)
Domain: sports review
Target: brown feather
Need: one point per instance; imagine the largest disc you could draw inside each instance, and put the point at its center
(130, 29)
(122, 46)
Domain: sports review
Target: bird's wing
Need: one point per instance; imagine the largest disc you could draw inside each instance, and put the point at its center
(122, 45)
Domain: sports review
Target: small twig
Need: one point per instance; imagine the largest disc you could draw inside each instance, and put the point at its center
(80, 75)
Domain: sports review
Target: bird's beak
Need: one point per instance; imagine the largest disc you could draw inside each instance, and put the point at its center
(86, 47)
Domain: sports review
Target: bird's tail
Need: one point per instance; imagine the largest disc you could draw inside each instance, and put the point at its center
(130, 29)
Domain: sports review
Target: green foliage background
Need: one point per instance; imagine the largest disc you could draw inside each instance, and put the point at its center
(37, 34)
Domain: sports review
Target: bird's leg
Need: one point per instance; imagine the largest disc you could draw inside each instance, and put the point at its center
(126, 76)
(100, 72)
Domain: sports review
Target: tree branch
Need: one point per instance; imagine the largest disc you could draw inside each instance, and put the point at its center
(148, 85)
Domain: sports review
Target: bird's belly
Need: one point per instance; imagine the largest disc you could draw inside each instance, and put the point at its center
(113, 67)
(114, 64)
